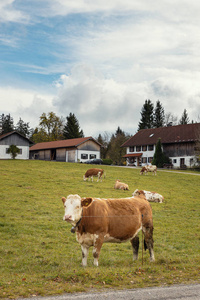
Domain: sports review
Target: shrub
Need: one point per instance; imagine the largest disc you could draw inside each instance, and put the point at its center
(107, 161)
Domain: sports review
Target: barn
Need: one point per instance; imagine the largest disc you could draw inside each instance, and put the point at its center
(71, 150)
(179, 143)
(14, 138)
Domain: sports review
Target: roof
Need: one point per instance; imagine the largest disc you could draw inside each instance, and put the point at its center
(62, 143)
(170, 134)
(14, 132)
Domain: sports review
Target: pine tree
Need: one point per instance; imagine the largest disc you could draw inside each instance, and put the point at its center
(23, 128)
(184, 119)
(72, 129)
(159, 115)
(159, 157)
(6, 124)
(146, 116)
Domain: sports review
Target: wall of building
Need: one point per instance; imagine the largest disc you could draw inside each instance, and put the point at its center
(24, 153)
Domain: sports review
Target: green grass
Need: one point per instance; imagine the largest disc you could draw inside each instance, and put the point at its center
(39, 255)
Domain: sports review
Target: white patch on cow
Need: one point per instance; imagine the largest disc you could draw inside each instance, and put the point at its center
(86, 239)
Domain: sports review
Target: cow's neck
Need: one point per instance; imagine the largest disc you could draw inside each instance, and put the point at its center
(73, 229)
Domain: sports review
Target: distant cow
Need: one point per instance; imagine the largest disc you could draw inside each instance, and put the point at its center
(93, 172)
(97, 221)
(147, 169)
(150, 196)
(120, 185)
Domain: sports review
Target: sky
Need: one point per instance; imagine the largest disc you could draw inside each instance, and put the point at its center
(99, 60)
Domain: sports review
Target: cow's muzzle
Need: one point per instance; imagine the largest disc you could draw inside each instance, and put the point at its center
(67, 218)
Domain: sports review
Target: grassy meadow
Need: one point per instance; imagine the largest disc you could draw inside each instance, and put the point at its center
(40, 256)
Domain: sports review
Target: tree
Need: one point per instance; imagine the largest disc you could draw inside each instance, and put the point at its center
(23, 128)
(159, 157)
(13, 150)
(184, 119)
(170, 119)
(72, 129)
(6, 123)
(50, 128)
(115, 151)
(146, 116)
(104, 140)
(159, 115)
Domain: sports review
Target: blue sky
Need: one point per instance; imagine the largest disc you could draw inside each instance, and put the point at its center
(99, 60)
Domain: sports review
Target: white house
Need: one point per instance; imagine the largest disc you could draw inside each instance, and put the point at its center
(14, 138)
(71, 150)
(179, 143)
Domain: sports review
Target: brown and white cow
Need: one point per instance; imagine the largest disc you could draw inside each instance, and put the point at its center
(150, 196)
(121, 185)
(93, 172)
(97, 221)
(149, 168)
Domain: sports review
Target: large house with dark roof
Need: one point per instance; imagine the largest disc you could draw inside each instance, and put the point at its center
(178, 143)
(14, 138)
(71, 150)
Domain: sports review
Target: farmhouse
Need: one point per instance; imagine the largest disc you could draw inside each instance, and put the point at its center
(179, 143)
(71, 150)
(14, 138)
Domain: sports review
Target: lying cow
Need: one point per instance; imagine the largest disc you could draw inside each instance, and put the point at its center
(93, 172)
(150, 196)
(120, 185)
(147, 169)
(97, 221)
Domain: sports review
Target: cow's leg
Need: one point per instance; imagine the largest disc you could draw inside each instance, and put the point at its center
(98, 242)
(148, 241)
(85, 251)
(135, 246)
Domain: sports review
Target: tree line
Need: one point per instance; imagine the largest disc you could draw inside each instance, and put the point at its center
(52, 128)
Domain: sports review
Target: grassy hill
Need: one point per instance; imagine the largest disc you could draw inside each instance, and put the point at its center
(40, 256)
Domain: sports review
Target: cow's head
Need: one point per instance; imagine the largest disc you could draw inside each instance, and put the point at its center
(73, 205)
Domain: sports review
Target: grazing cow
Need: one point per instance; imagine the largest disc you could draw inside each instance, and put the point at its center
(147, 169)
(97, 221)
(150, 196)
(121, 186)
(93, 172)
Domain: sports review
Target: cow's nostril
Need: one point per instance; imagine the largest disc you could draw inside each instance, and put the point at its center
(68, 217)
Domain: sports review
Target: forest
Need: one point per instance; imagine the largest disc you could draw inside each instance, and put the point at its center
(52, 128)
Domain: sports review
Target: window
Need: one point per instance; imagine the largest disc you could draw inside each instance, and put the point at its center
(150, 159)
(7, 151)
(84, 156)
(144, 148)
(92, 156)
(150, 147)
(20, 151)
(174, 161)
(131, 149)
(138, 148)
(144, 160)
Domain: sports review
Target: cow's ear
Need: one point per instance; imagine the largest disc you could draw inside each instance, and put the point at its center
(63, 200)
(85, 202)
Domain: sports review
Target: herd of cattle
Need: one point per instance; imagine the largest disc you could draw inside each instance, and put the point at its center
(97, 221)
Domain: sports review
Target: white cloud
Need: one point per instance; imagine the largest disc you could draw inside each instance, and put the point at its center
(10, 14)
(25, 104)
